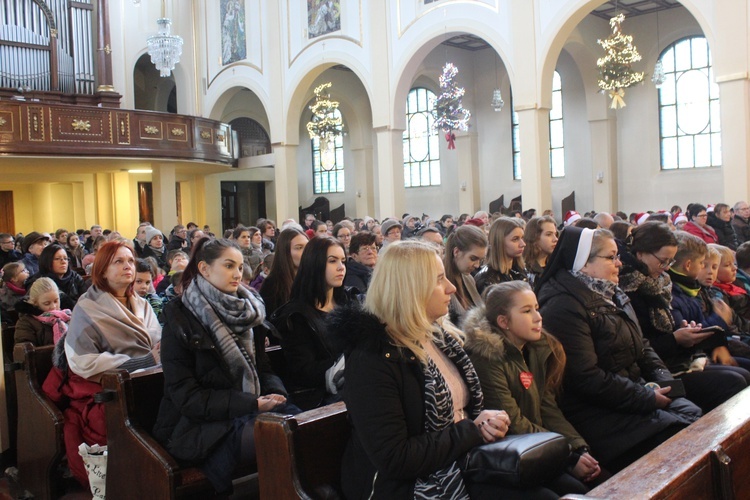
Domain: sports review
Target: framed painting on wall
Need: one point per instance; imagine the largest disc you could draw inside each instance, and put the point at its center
(323, 17)
(233, 39)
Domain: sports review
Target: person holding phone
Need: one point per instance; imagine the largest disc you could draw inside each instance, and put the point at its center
(608, 361)
(680, 344)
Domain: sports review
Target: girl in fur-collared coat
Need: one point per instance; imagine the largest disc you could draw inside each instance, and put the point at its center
(520, 368)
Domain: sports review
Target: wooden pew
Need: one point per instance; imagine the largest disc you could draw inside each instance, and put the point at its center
(300, 456)
(710, 459)
(137, 465)
(40, 438)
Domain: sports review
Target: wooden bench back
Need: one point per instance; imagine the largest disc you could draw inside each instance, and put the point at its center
(300, 456)
(40, 439)
(709, 459)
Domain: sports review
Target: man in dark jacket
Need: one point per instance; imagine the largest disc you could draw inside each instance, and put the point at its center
(741, 221)
(8, 253)
(720, 219)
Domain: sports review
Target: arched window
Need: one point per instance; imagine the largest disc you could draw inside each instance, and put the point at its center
(328, 165)
(421, 141)
(689, 124)
(253, 138)
(556, 142)
(516, 141)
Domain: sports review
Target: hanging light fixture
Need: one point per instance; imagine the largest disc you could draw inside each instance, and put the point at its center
(497, 96)
(325, 124)
(164, 48)
(658, 77)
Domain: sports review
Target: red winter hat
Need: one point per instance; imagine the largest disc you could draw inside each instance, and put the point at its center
(474, 222)
(570, 217)
(641, 218)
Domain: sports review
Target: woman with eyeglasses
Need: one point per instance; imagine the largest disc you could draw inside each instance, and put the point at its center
(697, 223)
(363, 256)
(604, 394)
(54, 264)
(645, 280)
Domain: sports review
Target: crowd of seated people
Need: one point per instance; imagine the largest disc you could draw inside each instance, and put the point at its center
(625, 302)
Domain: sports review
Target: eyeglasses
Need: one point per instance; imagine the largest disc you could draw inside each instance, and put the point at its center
(61, 259)
(701, 216)
(371, 248)
(664, 263)
(613, 258)
(7, 242)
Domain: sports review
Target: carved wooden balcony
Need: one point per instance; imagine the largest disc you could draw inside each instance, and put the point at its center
(40, 128)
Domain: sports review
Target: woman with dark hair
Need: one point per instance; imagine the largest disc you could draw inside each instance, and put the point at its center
(217, 377)
(645, 279)
(76, 253)
(363, 256)
(605, 395)
(317, 289)
(505, 256)
(110, 328)
(465, 250)
(250, 242)
(278, 284)
(621, 229)
(541, 237)
(53, 263)
(697, 223)
(342, 233)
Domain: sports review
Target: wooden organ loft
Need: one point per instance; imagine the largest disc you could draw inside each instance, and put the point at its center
(57, 97)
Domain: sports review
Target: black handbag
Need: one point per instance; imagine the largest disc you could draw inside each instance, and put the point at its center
(518, 460)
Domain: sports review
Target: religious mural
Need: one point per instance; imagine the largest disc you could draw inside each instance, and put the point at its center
(233, 39)
(323, 16)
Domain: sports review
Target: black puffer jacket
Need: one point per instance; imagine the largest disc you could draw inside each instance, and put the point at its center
(724, 231)
(384, 393)
(488, 276)
(201, 398)
(608, 363)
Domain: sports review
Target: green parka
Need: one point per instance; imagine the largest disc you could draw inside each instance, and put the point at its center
(499, 365)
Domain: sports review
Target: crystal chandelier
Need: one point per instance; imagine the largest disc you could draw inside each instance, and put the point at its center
(497, 96)
(497, 100)
(658, 77)
(165, 49)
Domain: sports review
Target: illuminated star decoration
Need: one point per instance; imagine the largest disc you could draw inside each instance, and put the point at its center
(615, 68)
(448, 113)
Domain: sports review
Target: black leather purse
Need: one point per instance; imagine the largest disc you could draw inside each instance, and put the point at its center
(518, 460)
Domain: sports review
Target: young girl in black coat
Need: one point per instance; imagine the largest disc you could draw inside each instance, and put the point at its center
(217, 377)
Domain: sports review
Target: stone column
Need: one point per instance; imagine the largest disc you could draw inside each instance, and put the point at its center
(165, 199)
(285, 184)
(535, 168)
(604, 160)
(391, 197)
(735, 137)
(467, 145)
(363, 182)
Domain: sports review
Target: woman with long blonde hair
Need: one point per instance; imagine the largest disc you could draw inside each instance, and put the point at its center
(411, 392)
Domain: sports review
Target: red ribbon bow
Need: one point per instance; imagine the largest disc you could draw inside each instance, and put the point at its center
(451, 138)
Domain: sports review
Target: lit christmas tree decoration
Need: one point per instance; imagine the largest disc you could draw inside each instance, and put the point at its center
(325, 125)
(448, 112)
(615, 68)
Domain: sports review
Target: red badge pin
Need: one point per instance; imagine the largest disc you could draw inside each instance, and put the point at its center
(526, 379)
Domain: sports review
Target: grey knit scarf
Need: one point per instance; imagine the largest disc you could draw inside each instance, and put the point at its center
(230, 320)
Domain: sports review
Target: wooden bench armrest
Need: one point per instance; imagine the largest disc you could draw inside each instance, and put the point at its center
(277, 442)
(137, 465)
(689, 464)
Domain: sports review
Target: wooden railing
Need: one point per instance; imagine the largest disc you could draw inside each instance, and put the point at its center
(41, 128)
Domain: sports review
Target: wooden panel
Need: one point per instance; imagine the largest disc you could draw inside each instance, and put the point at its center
(10, 124)
(122, 124)
(80, 125)
(7, 215)
(35, 126)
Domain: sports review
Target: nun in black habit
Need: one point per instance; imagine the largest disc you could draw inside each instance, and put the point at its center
(609, 363)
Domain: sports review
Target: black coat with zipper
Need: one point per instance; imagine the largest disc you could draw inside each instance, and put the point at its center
(384, 394)
(201, 398)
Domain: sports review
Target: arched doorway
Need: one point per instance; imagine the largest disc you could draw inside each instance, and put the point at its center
(151, 91)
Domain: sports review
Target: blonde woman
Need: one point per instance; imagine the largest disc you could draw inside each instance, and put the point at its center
(411, 392)
(505, 256)
(541, 238)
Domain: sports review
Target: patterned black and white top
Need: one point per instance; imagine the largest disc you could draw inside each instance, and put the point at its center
(446, 483)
